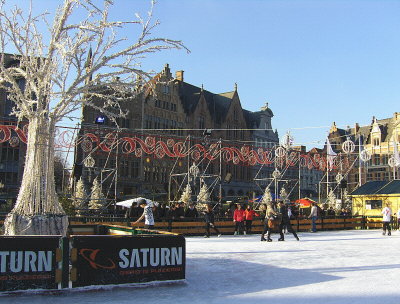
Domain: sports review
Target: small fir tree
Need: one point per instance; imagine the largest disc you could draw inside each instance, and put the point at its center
(331, 199)
(97, 199)
(187, 195)
(283, 194)
(80, 197)
(204, 195)
(267, 197)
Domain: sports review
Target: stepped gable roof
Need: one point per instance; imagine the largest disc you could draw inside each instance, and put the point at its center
(386, 129)
(369, 188)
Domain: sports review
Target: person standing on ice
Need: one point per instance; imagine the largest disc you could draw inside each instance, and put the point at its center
(270, 216)
(387, 218)
(249, 215)
(147, 215)
(238, 218)
(398, 219)
(285, 222)
(209, 219)
(313, 215)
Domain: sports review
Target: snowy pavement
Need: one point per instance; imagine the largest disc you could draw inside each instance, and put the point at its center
(326, 267)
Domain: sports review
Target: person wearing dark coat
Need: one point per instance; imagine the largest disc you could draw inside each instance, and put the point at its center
(285, 222)
(180, 211)
(191, 211)
(133, 211)
(209, 219)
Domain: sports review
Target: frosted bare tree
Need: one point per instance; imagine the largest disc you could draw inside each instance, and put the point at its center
(83, 53)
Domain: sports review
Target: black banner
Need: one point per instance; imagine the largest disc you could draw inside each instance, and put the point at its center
(102, 260)
(28, 262)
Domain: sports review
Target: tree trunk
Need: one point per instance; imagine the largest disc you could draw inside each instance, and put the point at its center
(38, 211)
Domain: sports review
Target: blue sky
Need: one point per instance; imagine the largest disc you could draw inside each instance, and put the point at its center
(314, 62)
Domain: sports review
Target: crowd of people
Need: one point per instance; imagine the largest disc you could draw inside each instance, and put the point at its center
(275, 216)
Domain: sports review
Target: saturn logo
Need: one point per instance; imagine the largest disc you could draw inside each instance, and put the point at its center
(91, 255)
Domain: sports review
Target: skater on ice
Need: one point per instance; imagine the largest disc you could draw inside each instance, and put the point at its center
(147, 215)
(285, 222)
(209, 219)
(249, 215)
(387, 218)
(238, 218)
(270, 218)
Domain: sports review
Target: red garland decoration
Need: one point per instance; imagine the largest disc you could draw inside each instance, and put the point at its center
(176, 149)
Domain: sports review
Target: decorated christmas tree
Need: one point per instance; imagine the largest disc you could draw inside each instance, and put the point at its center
(331, 200)
(187, 195)
(283, 194)
(97, 199)
(204, 195)
(267, 197)
(203, 198)
(347, 200)
(80, 197)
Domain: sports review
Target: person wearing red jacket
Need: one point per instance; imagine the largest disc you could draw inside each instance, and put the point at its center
(238, 218)
(249, 214)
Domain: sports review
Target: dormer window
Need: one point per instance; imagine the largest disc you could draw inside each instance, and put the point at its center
(201, 122)
(165, 89)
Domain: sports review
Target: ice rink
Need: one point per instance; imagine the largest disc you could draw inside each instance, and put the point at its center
(326, 267)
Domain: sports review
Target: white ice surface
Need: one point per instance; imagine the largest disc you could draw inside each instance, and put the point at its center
(326, 267)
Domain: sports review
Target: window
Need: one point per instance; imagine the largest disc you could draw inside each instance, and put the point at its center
(201, 122)
(387, 176)
(165, 89)
(147, 174)
(134, 169)
(373, 204)
(124, 168)
(376, 141)
(180, 127)
(377, 159)
(147, 122)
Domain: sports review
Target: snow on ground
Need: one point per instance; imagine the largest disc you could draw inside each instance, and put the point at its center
(325, 267)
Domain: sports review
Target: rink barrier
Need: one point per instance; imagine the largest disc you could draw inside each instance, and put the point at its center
(140, 258)
(31, 262)
(55, 262)
(193, 227)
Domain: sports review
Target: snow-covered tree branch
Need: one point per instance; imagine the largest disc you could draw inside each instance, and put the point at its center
(71, 65)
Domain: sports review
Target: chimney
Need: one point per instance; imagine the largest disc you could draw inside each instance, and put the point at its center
(179, 75)
(356, 128)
